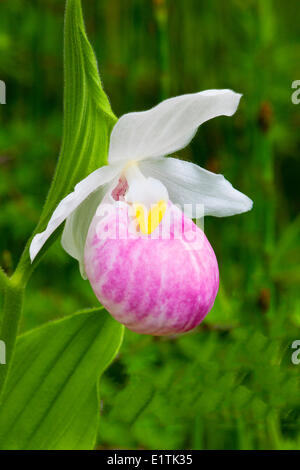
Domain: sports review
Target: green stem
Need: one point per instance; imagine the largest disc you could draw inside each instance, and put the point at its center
(12, 309)
(24, 267)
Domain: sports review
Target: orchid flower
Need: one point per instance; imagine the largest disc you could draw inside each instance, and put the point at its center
(153, 285)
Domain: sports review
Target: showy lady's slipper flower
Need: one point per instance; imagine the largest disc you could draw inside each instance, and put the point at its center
(146, 276)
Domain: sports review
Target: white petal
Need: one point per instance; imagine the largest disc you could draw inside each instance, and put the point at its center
(188, 183)
(169, 126)
(67, 205)
(77, 226)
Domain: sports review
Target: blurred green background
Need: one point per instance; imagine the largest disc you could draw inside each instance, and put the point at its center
(230, 384)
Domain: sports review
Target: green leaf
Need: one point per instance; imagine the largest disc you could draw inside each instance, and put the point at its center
(88, 121)
(88, 118)
(130, 402)
(51, 399)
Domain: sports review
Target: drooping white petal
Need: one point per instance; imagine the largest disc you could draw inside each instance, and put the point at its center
(67, 205)
(169, 126)
(77, 226)
(188, 183)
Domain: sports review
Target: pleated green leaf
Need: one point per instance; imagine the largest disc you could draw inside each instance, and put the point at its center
(88, 118)
(88, 121)
(51, 400)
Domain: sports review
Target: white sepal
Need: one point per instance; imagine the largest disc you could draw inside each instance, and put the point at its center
(188, 183)
(169, 126)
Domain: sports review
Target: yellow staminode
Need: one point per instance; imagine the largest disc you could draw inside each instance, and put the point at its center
(149, 223)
